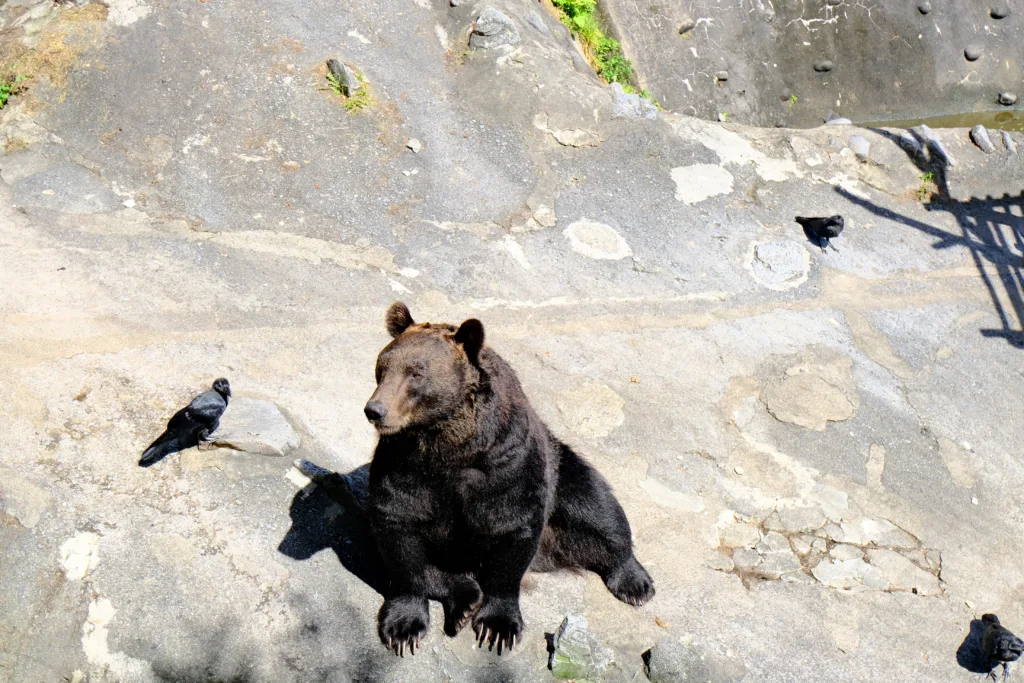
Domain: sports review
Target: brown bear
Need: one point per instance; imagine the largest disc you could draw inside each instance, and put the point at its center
(469, 489)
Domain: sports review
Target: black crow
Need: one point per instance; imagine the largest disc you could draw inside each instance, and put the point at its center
(822, 229)
(191, 425)
(999, 645)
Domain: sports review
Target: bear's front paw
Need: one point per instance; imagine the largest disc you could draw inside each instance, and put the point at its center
(463, 601)
(498, 623)
(401, 622)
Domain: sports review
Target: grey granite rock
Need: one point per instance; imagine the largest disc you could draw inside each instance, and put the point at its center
(255, 426)
(493, 29)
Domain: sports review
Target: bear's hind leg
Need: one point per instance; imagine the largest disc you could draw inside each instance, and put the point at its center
(588, 530)
(461, 600)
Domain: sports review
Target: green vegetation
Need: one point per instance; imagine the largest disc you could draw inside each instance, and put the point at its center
(605, 53)
(335, 84)
(11, 86)
(927, 183)
(360, 98)
(724, 116)
(792, 100)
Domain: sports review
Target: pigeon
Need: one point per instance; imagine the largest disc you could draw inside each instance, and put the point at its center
(822, 229)
(999, 645)
(191, 425)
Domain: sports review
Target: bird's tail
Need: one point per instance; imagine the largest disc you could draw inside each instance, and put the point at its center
(164, 445)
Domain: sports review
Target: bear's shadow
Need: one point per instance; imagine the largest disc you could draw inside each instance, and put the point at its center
(331, 513)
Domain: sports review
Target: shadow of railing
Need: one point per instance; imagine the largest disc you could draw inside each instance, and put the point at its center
(987, 227)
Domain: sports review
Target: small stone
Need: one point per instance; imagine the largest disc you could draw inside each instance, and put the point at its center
(1007, 99)
(860, 146)
(980, 137)
(738, 470)
(843, 552)
(415, 145)
(999, 12)
(776, 564)
(839, 121)
(630, 105)
(786, 95)
(346, 77)
(972, 53)
(493, 29)
(577, 654)
(935, 145)
(545, 216)
(924, 7)
(1008, 142)
(671, 661)
(823, 65)
(721, 562)
(974, 500)
(686, 25)
(745, 559)
(773, 542)
(834, 3)
(257, 427)
(291, 166)
(458, 3)
(740, 536)
(722, 76)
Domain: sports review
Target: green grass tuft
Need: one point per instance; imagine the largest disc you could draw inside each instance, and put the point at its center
(11, 86)
(605, 53)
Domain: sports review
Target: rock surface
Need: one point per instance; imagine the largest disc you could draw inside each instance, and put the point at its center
(493, 29)
(256, 427)
(979, 136)
(183, 198)
(675, 662)
(577, 655)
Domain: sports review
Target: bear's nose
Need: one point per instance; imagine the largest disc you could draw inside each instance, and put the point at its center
(375, 411)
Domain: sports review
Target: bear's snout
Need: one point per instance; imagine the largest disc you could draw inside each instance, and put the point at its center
(375, 411)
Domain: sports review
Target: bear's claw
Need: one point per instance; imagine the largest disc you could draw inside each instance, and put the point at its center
(498, 623)
(401, 623)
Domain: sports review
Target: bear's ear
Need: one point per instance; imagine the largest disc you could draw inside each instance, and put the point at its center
(398, 319)
(471, 336)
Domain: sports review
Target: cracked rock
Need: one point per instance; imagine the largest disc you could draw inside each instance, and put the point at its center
(745, 559)
(780, 264)
(577, 655)
(256, 427)
(721, 562)
(740, 536)
(493, 29)
(773, 542)
(902, 574)
(774, 565)
(796, 519)
(850, 574)
(844, 552)
(877, 532)
(816, 389)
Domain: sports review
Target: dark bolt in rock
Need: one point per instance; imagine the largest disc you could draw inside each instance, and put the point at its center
(1007, 98)
(924, 7)
(687, 25)
(722, 76)
(823, 65)
(346, 78)
(1000, 12)
(980, 137)
(972, 53)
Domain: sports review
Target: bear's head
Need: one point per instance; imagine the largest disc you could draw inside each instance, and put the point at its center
(427, 375)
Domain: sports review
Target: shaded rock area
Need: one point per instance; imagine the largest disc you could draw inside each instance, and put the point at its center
(868, 61)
